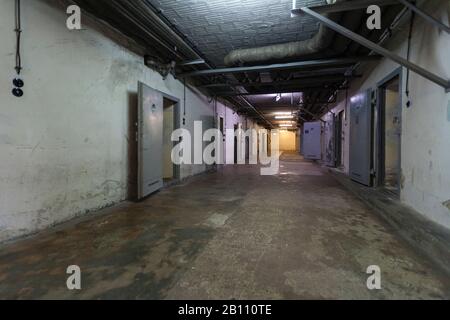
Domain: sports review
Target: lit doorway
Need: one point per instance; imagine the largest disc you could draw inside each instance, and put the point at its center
(171, 172)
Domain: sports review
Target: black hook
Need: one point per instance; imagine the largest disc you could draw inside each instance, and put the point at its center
(17, 82)
(17, 92)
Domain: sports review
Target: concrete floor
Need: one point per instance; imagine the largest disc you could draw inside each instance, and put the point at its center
(228, 235)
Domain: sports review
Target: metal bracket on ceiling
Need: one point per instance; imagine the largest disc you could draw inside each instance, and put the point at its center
(425, 15)
(445, 83)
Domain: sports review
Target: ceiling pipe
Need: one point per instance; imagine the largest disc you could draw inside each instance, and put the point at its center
(291, 50)
(145, 8)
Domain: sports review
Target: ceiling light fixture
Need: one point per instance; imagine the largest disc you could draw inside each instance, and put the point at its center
(284, 117)
(278, 97)
(282, 113)
(285, 125)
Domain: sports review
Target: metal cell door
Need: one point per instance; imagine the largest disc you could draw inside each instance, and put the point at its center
(150, 140)
(361, 138)
(312, 135)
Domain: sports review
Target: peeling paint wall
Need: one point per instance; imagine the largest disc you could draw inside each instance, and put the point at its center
(425, 152)
(232, 119)
(65, 145)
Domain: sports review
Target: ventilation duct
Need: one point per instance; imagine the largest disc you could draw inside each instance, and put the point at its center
(321, 41)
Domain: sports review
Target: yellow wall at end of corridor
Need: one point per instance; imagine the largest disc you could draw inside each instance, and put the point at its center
(288, 140)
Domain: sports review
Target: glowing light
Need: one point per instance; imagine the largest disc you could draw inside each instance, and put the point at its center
(286, 125)
(284, 117)
(356, 98)
(282, 113)
(278, 97)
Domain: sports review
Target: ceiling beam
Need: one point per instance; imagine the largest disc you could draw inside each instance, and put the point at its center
(344, 6)
(258, 93)
(281, 66)
(302, 81)
(274, 106)
(445, 83)
(425, 15)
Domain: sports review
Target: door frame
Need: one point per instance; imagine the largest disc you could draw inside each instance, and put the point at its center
(332, 132)
(339, 128)
(380, 129)
(176, 125)
(236, 144)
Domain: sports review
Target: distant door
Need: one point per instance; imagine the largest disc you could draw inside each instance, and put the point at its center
(330, 142)
(235, 144)
(302, 142)
(312, 135)
(339, 127)
(150, 141)
(361, 138)
(222, 130)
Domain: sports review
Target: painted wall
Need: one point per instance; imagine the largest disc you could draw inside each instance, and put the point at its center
(232, 119)
(66, 145)
(425, 158)
(288, 140)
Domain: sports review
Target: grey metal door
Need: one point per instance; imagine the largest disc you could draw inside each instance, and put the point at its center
(312, 135)
(150, 140)
(330, 142)
(361, 138)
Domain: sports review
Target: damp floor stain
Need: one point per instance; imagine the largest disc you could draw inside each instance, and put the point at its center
(232, 234)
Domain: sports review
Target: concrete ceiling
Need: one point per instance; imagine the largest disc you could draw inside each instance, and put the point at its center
(169, 30)
(216, 27)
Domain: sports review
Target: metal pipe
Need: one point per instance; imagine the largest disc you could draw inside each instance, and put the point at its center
(123, 11)
(258, 93)
(281, 66)
(281, 52)
(425, 15)
(445, 83)
(384, 37)
(259, 113)
(310, 81)
(143, 6)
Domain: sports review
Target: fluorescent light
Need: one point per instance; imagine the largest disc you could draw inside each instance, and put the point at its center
(284, 117)
(282, 113)
(285, 125)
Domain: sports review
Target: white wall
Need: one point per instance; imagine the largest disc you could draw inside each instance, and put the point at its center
(64, 146)
(425, 125)
(231, 118)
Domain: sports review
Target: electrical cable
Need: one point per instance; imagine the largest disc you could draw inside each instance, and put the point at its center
(17, 82)
(408, 56)
(18, 31)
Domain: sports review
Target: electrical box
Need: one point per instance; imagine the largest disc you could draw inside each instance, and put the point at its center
(312, 137)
